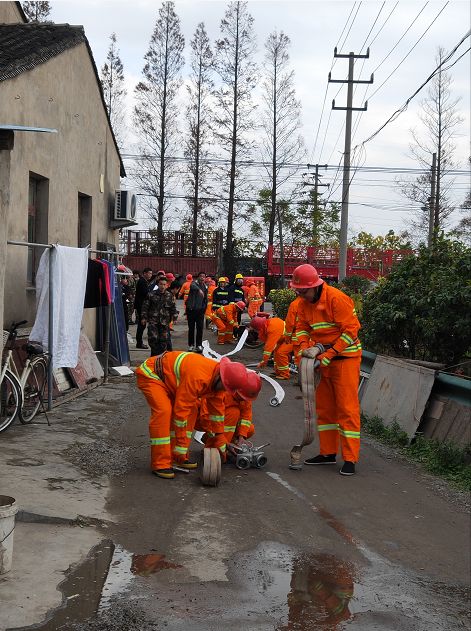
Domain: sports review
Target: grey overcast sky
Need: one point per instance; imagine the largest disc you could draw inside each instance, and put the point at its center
(314, 28)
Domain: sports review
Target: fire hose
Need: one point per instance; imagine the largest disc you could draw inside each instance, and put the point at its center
(310, 378)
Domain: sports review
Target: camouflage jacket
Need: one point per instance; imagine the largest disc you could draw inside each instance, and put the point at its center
(159, 309)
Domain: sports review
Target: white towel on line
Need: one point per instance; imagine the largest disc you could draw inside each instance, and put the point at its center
(69, 277)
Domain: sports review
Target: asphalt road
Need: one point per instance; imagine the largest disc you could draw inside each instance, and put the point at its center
(270, 549)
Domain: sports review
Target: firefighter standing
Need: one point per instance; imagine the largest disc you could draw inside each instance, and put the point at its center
(220, 294)
(327, 316)
(254, 299)
(174, 385)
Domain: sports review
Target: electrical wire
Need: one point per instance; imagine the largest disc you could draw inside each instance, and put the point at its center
(399, 111)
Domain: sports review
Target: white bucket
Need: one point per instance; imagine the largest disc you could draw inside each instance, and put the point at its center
(8, 510)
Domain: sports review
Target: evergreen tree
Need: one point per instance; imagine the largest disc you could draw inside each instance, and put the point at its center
(237, 73)
(281, 120)
(156, 112)
(112, 81)
(199, 126)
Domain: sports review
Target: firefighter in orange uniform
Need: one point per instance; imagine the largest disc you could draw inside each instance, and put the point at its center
(327, 329)
(225, 318)
(270, 331)
(254, 299)
(185, 290)
(209, 309)
(174, 384)
(288, 346)
(238, 422)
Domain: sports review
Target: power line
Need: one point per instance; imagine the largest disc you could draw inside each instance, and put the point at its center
(399, 111)
(407, 55)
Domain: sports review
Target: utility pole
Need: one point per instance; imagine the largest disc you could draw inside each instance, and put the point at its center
(346, 156)
(432, 223)
(317, 183)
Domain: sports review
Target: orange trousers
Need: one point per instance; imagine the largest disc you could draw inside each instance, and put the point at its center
(338, 409)
(225, 330)
(161, 432)
(254, 307)
(282, 359)
(231, 420)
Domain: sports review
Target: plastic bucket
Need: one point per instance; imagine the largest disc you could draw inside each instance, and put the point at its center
(8, 510)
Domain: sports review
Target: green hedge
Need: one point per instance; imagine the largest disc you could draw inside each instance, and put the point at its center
(281, 300)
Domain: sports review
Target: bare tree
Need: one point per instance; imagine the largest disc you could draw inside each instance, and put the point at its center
(237, 71)
(156, 111)
(37, 11)
(112, 81)
(281, 120)
(440, 121)
(199, 124)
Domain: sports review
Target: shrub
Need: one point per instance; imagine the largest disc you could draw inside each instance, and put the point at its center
(281, 300)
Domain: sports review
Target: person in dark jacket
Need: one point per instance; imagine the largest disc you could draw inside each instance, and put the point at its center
(195, 307)
(221, 294)
(158, 311)
(237, 294)
(143, 287)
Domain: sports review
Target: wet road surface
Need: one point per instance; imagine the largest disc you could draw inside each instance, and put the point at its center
(269, 549)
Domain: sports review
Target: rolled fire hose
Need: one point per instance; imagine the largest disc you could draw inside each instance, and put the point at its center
(310, 378)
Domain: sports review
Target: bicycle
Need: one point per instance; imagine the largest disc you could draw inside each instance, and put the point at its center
(23, 392)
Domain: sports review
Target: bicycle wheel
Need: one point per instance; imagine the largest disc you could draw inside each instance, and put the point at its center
(10, 400)
(33, 390)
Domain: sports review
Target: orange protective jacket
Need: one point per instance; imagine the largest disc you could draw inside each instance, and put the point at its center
(238, 418)
(188, 377)
(208, 311)
(274, 331)
(291, 318)
(332, 321)
(185, 290)
(227, 313)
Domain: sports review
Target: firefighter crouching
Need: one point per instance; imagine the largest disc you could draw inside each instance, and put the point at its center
(225, 318)
(327, 316)
(238, 417)
(271, 331)
(174, 385)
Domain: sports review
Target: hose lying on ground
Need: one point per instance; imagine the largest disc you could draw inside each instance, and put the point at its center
(310, 378)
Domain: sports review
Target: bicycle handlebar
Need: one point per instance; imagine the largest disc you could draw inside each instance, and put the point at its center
(15, 325)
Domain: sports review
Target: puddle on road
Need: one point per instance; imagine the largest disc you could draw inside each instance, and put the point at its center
(272, 587)
(108, 571)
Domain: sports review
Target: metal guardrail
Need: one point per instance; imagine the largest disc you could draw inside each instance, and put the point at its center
(450, 386)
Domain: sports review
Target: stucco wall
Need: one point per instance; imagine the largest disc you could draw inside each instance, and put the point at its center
(9, 13)
(61, 94)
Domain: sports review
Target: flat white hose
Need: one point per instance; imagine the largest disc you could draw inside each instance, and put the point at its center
(310, 378)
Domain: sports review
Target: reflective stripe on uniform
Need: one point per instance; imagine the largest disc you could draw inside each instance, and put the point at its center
(349, 434)
(216, 419)
(245, 422)
(346, 338)
(160, 441)
(148, 372)
(179, 423)
(229, 428)
(179, 450)
(177, 365)
(328, 426)
(323, 325)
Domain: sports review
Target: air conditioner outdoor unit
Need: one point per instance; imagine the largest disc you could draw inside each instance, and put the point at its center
(125, 205)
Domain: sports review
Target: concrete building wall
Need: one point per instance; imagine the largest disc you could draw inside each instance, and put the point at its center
(80, 159)
(9, 13)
